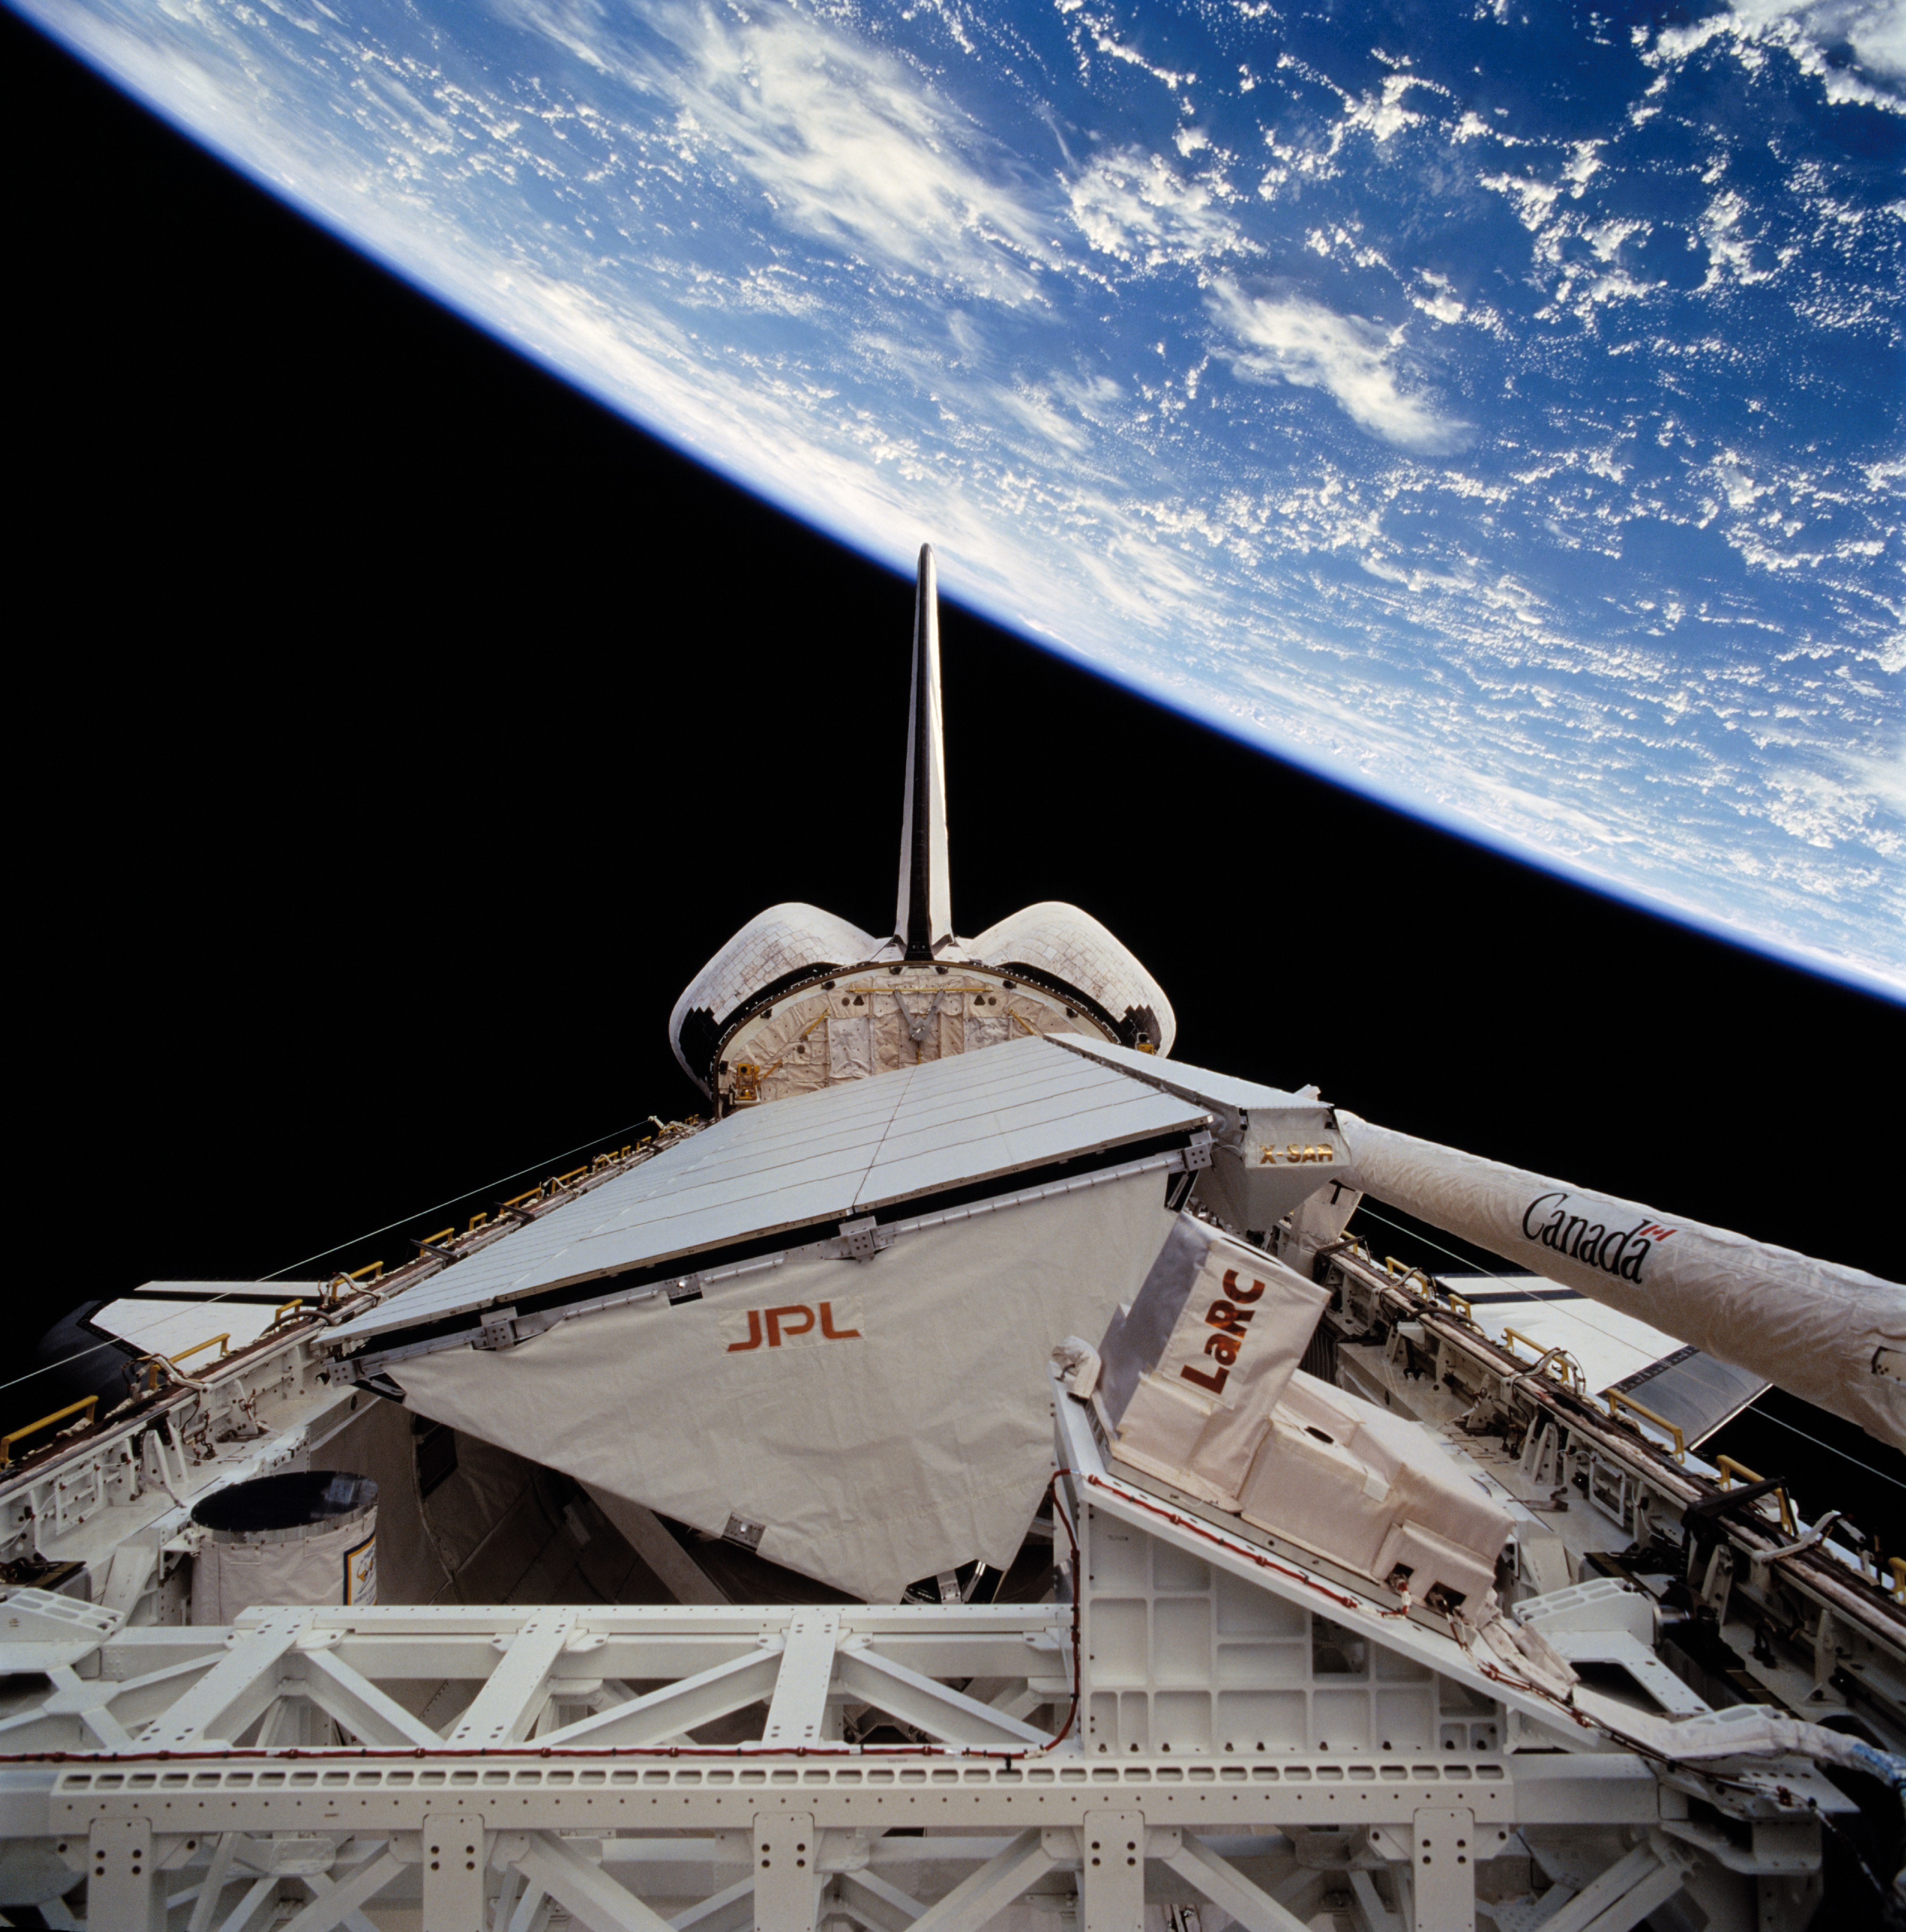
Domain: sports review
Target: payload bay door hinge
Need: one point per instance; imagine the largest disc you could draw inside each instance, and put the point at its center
(1199, 1152)
(862, 1239)
(499, 1330)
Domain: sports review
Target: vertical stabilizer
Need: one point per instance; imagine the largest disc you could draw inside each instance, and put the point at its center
(924, 918)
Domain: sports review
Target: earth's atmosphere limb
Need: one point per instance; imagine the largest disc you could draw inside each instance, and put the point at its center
(1500, 412)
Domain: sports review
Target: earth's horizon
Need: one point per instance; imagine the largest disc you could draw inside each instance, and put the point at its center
(1502, 419)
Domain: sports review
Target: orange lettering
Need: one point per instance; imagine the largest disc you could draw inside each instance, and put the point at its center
(829, 1332)
(754, 1340)
(1214, 1383)
(776, 1331)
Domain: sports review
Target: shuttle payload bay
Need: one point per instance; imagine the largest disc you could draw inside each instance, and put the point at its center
(978, 1477)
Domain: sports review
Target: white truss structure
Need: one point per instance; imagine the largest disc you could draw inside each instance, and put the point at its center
(1147, 1753)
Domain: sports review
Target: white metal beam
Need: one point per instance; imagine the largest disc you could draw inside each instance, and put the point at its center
(981, 1894)
(661, 1714)
(715, 1908)
(787, 1872)
(931, 1707)
(242, 1914)
(206, 1904)
(1443, 1860)
(648, 1536)
(453, 1859)
(141, 1698)
(505, 1903)
(584, 1890)
(1377, 1916)
(876, 1903)
(1112, 1871)
(1226, 1887)
(372, 1716)
(235, 1693)
(1656, 1889)
(524, 1916)
(122, 1877)
(1621, 1897)
(336, 1905)
(798, 1712)
(503, 1711)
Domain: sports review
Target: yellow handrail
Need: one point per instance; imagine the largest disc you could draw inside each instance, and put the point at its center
(89, 1402)
(1555, 1363)
(285, 1308)
(1461, 1303)
(1617, 1401)
(1897, 1565)
(154, 1363)
(375, 1269)
(1729, 1468)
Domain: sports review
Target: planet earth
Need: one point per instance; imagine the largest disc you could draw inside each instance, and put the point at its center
(1496, 407)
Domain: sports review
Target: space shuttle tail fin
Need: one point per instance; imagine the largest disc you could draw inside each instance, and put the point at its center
(923, 919)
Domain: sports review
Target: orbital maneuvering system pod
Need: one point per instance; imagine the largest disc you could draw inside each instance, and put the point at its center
(799, 999)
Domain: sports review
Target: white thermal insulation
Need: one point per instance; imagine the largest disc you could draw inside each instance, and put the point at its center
(1193, 1369)
(1378, 1494)
(880, 1421)
(334, 1562)
(850, 1049)
(1835, 1336)
(1199, 1384)
(1071, 946)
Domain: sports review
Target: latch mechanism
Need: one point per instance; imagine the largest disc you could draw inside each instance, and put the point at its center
(746, 1535)
(863, 1239)
(499, 1330)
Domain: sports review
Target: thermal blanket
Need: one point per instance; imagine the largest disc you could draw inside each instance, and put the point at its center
(867, 1423)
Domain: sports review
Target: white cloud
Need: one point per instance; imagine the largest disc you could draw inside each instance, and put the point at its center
(1730, 252)
(1437, 298)
(1874, 31)
(1383, 113)
(1293, 340)
(1284, 594)
(1100, 32)
(1135, 208)
(847, 142)
(1533, 199)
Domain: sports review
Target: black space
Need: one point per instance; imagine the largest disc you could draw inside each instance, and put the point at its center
(395, 731)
